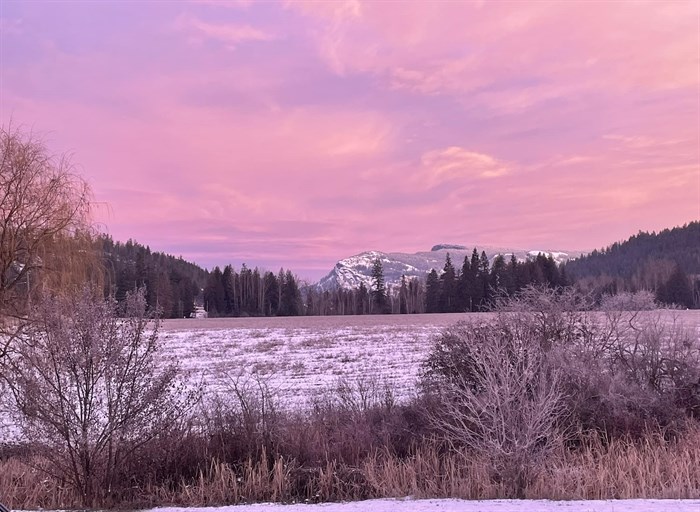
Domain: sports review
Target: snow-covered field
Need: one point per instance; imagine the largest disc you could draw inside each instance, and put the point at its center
(301, 358)
(409, 505)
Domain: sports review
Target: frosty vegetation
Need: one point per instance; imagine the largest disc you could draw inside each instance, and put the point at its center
(511, 405)
(550, 396)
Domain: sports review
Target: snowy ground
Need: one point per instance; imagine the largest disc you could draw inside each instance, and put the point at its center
(302, 358)
(409, 505)
(299, 359)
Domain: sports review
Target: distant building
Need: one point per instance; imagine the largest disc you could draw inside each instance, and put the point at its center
(199, 312)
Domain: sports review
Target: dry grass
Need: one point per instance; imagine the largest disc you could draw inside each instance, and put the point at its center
(23, 486)
(652, 468)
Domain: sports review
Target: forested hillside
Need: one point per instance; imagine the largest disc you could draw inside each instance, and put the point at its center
(172, 284)
(667, 263)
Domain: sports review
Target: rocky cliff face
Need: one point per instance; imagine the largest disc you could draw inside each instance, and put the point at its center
(350, 272)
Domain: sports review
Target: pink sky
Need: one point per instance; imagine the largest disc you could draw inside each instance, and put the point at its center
(295, 134)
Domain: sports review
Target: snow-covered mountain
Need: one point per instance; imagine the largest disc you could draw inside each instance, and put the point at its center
(350, 272)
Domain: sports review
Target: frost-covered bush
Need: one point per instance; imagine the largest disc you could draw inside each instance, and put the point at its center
(85, 380)
(642, 300)
(498, 395)
(546, 363)
(637, 370)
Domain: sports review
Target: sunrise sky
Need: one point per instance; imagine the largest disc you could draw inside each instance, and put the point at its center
(296, 134)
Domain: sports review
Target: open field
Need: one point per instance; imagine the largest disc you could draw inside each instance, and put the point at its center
(299, 358)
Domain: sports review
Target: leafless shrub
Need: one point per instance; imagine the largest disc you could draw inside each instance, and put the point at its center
(498, 396)
(362, 394)
(88, 389)
(620, 468)
(558, 316)
(638, 369)
(243, 420)
(642, 300)
(545, 363)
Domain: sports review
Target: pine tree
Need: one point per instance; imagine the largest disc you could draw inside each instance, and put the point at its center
(271, 301)
(677, 289)
(214, 293)
(474, 292)
(512, 275)
(362, 300)
(227, 279)
(464, 284)
(498, 273)
(379, 299)
(482, 279)
(432, 292)
(447, 301)
(290, 304)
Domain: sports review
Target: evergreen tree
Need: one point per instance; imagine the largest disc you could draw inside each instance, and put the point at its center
(550, 271)
(379, 299)
(362, 300)
(227, 279)
(482, 280)
(290, 305)
(464, 284)
(214, 301)
(511, 277)
(677, 290)
(474, 291)
(432, 292)
(271, 301)
(498, 274)
(448, 300)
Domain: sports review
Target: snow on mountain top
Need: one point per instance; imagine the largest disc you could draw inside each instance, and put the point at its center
(350, 272)
(556, 255)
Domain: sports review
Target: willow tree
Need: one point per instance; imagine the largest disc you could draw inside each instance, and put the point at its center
(45, 231)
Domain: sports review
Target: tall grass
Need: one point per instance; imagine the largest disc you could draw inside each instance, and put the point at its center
(648, 468)
(24, 486)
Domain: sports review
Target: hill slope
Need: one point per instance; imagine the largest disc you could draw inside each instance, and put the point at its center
(172, 284)
(679, 245)
(667, 263)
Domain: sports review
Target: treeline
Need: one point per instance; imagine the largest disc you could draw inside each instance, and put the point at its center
(666, 263)
(172, 284)
(251, 292)
(473, 286)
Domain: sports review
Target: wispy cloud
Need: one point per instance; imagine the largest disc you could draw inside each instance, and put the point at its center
(230, 34)
(454, 163)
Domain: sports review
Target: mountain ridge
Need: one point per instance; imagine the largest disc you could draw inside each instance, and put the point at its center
(350, 272)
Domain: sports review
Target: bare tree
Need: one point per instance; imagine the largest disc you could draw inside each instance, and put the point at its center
(44, 226)
(89, 389)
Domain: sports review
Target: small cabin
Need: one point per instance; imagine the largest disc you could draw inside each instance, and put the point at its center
(199, 312)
